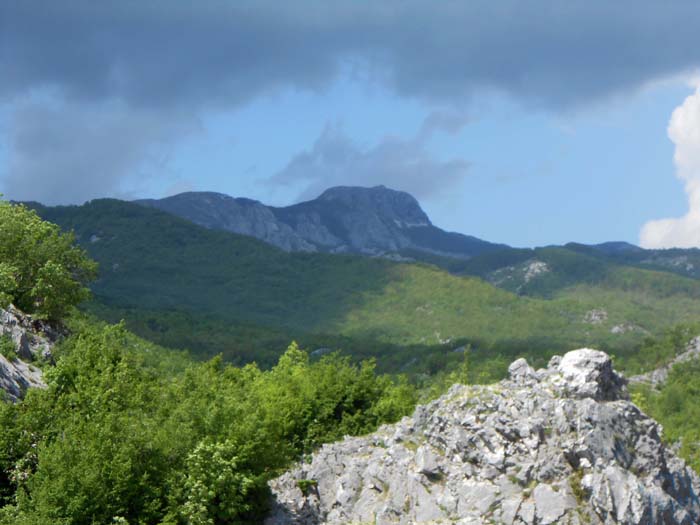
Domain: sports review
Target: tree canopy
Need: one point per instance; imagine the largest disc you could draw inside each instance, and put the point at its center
(42, 271)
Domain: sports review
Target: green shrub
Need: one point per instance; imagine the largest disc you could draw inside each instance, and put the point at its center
(7, 348)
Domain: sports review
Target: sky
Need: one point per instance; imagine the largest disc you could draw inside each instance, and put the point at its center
(527, 123)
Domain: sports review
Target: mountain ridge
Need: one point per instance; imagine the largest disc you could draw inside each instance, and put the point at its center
(343, 219)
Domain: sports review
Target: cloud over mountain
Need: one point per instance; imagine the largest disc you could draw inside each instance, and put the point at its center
(403, 163)
(169, 57)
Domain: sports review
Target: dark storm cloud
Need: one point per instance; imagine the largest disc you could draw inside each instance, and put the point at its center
(193, 53)
(404, 164)
(75, 153)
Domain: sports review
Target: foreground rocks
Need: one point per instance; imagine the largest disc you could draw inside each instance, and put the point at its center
(30, 340)
(558, 445)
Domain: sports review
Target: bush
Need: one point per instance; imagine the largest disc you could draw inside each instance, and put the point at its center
(41, 270)
(7, 348)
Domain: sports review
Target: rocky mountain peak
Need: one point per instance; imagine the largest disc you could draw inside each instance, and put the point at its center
(375, 221)
(397, 206)
(561, 444)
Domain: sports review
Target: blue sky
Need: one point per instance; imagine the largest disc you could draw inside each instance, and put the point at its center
(517, 131)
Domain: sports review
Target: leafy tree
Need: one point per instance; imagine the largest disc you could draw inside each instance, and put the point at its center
(41, 270)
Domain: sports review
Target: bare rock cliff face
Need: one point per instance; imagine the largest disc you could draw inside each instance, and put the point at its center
(31, 340)
(558, 445)
(369, 221)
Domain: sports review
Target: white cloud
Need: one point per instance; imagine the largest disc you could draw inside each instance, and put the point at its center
(684, 131)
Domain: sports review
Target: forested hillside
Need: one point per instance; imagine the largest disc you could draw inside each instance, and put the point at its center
(212, 292)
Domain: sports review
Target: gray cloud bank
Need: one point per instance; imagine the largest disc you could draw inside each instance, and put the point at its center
(86, 151)
(160, 58)
(176, 52)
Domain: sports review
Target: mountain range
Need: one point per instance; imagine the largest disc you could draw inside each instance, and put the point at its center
(368, 221)
(185, 285)
(379, 221)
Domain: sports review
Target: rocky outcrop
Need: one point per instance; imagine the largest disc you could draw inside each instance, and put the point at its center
(27, 340)
(557, 445)
(243, 216)
(370, 221)
(658, 376)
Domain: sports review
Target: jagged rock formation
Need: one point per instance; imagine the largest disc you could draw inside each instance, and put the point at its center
(558, 445)
(370, 221)
(30, 340)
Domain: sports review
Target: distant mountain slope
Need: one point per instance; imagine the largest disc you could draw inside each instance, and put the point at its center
(542, 272)
(682, 261)
(184, 285)
(370, 221)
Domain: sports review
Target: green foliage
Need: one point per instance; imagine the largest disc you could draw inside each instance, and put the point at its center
(442, 380)
(115, 437)
(657, 351)
(41, 271)
(7, 347)
(307, 485)
(216, 489)
(575, 482)
(7, 283)
(677, 408)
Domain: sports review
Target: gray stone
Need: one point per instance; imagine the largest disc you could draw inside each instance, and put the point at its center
(32, 339)
(560, 445)
(551, 505)
(589, 373)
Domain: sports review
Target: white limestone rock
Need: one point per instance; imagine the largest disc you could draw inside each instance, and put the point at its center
(558, 445)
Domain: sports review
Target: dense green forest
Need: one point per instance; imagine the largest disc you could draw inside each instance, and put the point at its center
(118, 437)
